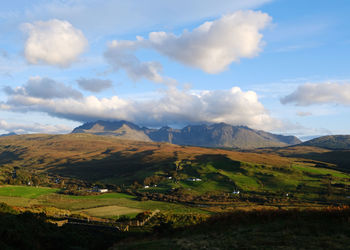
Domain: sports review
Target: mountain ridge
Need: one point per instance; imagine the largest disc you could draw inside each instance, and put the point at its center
(213, 135)
(330, 142)
(8, 134)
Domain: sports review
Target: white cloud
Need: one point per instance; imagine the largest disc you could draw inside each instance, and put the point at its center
(232, 106)
(212, 46)
(119, 57)
(33, 128)
(94, 84)
(319, 93)
(53, 42)
(45, 88)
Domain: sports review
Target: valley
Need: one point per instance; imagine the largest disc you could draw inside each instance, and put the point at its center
(76, 163)
(122, 187)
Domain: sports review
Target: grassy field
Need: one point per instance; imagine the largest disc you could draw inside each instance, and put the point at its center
(110, 211)
(25, 191)
(101, 196)
(104, 205)
(227, 175)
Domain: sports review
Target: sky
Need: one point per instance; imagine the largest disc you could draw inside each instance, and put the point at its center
(275, 65)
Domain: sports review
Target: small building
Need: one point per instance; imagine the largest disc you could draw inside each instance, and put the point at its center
(194, 179)
(146, 187)
(236, 192)
(99, 190)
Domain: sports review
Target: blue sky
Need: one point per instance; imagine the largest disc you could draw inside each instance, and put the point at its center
(276, 65)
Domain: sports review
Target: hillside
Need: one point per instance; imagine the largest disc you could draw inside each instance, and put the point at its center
(121, 129)
(340, 159)
(8, 134)
(94, 157)
(215, 135)
(258, 229)
(330, 142)
(166, 168)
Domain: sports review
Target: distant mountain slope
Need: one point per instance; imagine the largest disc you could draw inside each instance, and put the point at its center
(121, 129)
(221, 135)
(215, 135)
(330, 142)
(8, 134)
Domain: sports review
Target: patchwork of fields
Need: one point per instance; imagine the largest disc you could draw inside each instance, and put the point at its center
(171, 178)
(109, 205)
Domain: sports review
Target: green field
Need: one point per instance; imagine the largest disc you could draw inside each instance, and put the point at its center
(226, 175)
(103, 196)
(104, 205)
(25, 192)
(110, 211)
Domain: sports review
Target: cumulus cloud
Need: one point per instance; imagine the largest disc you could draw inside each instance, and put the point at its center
(53, 42)
(33, 128)
(232, 106)
(211, 47)
(94, 84)
(44, 88)
(119, 57)
(319, 93)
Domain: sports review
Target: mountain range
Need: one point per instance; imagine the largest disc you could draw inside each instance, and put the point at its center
(214, 135)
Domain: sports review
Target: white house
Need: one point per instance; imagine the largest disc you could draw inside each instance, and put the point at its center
(194, 179)
(102, 190)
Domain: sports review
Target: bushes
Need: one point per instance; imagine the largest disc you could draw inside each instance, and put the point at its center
(32, 231)
(4, 208)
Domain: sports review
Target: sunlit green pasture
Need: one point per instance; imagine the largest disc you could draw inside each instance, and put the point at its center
(103, 205)
(25, 191)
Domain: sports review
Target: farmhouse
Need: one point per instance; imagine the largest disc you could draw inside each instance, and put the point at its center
(194, 179)
(100, 190)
